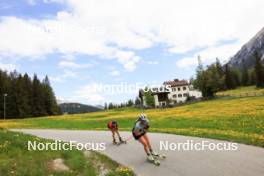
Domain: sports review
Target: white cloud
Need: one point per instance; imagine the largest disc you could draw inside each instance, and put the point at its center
(152, 62)
(180, 49)
(31, 2)
(51, 1)
(68, 57)
(67, 74)
(187, 62)
(73, 65)
(116, 29)
(114, 73)
(209, 55)
(8, 67)
(34, 2)
(88, 94)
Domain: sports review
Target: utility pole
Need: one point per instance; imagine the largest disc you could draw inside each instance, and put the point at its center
(5, 95)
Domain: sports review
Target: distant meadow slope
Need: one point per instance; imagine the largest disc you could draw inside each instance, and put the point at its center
(232, 119)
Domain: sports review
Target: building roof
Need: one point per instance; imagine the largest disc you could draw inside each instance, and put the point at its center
(176, 83)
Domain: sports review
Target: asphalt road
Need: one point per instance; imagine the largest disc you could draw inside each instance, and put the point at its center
(245, 161)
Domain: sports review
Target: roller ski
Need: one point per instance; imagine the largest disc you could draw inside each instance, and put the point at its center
(153, 160)
(120, 142)
(156, 155)
(114, 142)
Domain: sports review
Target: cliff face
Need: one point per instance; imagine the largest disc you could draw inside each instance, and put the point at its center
(248, 50)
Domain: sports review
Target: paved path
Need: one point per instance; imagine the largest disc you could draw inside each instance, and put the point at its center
(246, 161)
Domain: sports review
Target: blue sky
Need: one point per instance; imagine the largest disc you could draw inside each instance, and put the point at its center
(80, 44)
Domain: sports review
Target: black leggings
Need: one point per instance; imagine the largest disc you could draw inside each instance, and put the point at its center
(139, 136)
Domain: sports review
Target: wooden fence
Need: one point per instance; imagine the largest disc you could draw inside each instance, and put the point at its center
(246, 94)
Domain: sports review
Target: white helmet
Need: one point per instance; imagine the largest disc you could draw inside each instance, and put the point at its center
(143, 117)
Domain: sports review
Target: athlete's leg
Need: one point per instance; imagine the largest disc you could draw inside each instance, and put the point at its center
(117, 132)
(119, 137)
(113, 135)
(147, 141)
(144, 143)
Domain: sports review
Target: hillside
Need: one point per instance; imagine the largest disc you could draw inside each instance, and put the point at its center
(233, 119)
(248, 50)
(242, 91)
(77, 108)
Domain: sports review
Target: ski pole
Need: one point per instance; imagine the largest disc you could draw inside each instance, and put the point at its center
(130, 137)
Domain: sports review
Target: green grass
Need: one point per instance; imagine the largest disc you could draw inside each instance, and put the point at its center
(16, 159)
(251, 90)
(233, 119)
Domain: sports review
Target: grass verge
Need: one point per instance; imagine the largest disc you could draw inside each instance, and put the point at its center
(17, 160)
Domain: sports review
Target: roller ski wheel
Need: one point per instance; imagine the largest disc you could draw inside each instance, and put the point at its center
(160, 156)
(156, 155)
(121, 142)
(153, 160)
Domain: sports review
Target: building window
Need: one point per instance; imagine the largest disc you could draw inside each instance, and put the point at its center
(162, 104)
(185, 95)
(179, 89)
(184, 88)
(179, 95)
(174, 96)
(174, 89)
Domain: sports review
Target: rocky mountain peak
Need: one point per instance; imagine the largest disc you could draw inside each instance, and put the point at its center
(248, 50)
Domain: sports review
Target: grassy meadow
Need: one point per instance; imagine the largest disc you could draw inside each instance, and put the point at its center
(233, 119)
(250, 90)
(15, 159)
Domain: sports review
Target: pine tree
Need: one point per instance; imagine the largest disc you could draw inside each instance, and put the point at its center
(252, 76)
(22, 98)
(105, 106)
(12, 98)
(201, 79)
(27, 86)
(49, 98)
(111, 106)
(38, 106)
(7, 88)
(130, 103)
(3, 90)
(137, 101)
(230, 81)
(245, 75)
(220, 72)
(259, 71)
(26, 98)
(237, 77)
(219, 67)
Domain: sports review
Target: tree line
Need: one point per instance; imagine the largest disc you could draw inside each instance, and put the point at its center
(217, 77)
(26, 96)
(129, 103)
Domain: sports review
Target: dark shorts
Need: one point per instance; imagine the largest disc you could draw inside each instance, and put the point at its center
(139, 136)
